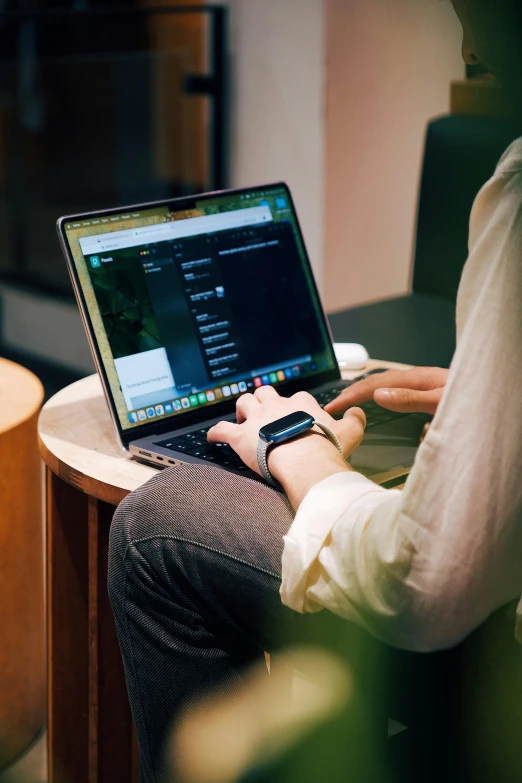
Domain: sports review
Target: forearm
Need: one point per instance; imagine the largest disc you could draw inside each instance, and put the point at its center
(301, 464)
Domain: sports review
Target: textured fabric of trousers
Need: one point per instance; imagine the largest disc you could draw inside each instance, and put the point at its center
(194, 577)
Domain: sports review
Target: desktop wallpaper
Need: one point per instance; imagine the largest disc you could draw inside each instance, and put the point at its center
(77, 229)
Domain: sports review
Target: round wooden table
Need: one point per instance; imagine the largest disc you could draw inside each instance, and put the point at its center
(22, 615)
(90, 735)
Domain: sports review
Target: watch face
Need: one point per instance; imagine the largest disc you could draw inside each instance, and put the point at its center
(288, 427)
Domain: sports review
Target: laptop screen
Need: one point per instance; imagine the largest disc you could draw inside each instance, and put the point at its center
(196, 306)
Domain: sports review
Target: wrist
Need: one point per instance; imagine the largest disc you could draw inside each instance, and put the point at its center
(301, 463)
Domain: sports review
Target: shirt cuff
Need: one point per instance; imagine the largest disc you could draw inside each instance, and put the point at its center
(317, 515)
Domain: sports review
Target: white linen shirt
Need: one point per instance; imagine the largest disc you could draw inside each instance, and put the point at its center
(422, 568)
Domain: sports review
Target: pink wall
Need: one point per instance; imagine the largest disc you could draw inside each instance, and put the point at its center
(389, 67)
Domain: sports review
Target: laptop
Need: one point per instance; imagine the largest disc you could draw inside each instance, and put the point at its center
(189, 303)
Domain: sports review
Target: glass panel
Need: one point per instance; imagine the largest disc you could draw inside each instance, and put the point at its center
(94, 114)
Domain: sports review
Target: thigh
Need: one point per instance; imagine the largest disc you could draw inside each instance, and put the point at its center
(216, 537)
(213, 541)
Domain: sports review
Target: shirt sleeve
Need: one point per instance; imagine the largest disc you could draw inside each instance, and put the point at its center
(421, 568)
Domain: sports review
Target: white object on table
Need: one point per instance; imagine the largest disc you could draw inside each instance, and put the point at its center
(351, 356)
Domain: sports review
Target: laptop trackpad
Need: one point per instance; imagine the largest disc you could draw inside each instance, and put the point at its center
(389, 446)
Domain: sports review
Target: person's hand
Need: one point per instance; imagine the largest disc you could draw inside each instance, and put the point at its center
(406, 391)
(297, 464)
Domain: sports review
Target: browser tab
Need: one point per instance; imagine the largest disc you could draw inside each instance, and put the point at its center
(178, 229)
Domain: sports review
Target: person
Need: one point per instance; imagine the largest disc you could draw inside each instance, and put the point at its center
(207, 567)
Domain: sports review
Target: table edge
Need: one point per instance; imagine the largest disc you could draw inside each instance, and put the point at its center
(108, 493)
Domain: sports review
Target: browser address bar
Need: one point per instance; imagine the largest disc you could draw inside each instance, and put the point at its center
(177, 229)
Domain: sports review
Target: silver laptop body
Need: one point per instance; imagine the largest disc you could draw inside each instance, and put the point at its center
(189, 303)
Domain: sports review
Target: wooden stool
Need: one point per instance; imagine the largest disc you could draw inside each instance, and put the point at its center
(90, 738)
(22, 628)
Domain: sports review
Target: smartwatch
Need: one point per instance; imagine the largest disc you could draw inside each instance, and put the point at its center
(283, 430)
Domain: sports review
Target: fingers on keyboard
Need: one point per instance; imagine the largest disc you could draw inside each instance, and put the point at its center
(196, 445)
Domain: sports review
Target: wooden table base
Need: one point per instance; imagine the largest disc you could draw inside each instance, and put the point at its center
(91, 738)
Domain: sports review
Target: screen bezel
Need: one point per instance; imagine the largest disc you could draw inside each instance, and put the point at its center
(205, 413)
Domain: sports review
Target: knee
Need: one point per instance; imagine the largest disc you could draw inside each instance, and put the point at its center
(147, 530)
(136, 518)
(133, 520)
(147, 511)
(118, 543)
(163, 506)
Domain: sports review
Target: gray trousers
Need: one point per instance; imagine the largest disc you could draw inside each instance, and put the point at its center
(194, 577)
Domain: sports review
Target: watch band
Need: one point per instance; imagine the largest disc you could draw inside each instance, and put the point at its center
(330, 434)
(263, 447)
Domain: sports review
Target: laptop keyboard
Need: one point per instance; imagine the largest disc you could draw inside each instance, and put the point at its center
(374, 413)
(195, 443)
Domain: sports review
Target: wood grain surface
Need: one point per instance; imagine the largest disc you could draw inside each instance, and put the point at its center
(22, 629)
(67, 632)
(90, 731)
